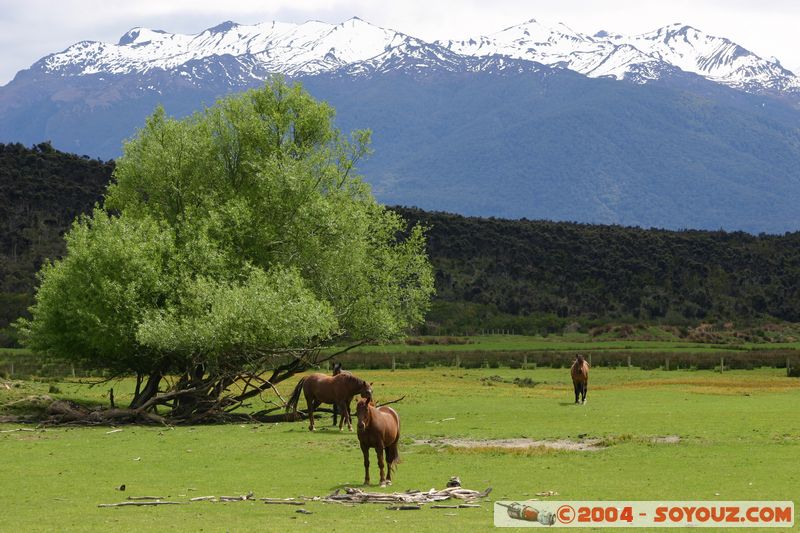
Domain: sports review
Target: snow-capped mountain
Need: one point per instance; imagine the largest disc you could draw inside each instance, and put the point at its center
(357, 48)
(528, 122)
(639, 57)
(292, 49)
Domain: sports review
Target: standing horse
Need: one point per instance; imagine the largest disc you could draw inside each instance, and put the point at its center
(379, 428)
(580, 378)
(337, 390)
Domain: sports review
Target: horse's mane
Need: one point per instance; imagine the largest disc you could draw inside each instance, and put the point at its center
(350, 377)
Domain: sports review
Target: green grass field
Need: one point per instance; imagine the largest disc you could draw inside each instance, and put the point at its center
(739, 440)
(579, 341)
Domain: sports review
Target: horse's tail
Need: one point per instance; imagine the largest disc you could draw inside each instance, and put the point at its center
(393, 451)
(393, 456)
(291, 405)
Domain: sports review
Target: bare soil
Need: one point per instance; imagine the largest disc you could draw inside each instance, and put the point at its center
(582, 445)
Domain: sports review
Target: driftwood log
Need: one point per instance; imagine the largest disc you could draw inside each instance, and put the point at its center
(139, 504)
(351, 495)
(401, 501)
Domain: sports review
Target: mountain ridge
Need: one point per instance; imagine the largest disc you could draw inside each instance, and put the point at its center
(482, 135)
(316, 47)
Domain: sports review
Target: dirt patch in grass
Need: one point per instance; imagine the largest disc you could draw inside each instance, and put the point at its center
(584, 445)
(669, 439)
(724, 386)
(591, 444)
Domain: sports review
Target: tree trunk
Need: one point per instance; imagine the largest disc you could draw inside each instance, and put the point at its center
(150, 390)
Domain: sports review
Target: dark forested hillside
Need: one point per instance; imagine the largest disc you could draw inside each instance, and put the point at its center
(531, 276)
(538, 275)
(41, 191)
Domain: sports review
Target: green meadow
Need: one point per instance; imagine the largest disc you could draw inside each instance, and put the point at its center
(737, 433)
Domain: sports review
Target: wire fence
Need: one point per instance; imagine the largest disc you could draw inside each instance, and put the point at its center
(22, 365)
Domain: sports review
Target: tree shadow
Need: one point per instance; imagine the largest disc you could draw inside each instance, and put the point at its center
(326, 430)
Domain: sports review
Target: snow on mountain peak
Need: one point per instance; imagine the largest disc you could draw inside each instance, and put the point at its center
(280, 47)
(315, 47)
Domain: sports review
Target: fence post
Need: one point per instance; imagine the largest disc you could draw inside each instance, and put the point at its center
(721, 364)
(12, 366)
(458, 361)
(788, 367)
(525, 361)
(394, 363)
(629, 361)
(666, 364)
(590, 359)
(73, 371)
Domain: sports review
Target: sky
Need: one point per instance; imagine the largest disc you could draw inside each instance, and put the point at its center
(31, 29)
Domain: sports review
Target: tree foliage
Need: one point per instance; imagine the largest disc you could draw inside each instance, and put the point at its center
(41, 191)
(235, 241)
(539, 276)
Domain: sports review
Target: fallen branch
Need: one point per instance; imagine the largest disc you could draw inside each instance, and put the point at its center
(285, 501)
(459, 506)
(393, 401)
(138, 504)
(352, 495)
(401, 501)
(243, 497)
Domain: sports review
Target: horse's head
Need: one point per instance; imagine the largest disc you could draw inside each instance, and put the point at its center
(363, 413)
(337, 368)
(366, 392)
(580, 360)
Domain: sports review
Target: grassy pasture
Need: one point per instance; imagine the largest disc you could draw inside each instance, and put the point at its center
(739, 440)
(575, 342)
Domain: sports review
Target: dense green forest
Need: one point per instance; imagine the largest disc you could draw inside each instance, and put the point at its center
(521, 275)
(538, 276)
(42, 190)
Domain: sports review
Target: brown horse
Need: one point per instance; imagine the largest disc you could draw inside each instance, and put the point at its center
(580, 378)
(379, 428)
(337, 390)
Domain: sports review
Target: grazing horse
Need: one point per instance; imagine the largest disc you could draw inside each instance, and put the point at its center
(337, 390)
(580, 378)
(379, 428)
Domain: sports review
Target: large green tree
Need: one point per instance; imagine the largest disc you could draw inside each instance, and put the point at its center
(233, 247)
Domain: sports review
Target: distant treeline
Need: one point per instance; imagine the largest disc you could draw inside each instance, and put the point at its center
(520, 275)
(538, 276)
(42, 190)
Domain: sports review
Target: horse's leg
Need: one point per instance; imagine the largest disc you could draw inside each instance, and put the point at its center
(346, 411)
(312, 404)
(577, 387)
(334, 414)
(379, 450)
(343, 416)
(391, 451)
(365, 451)
(585, 389)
